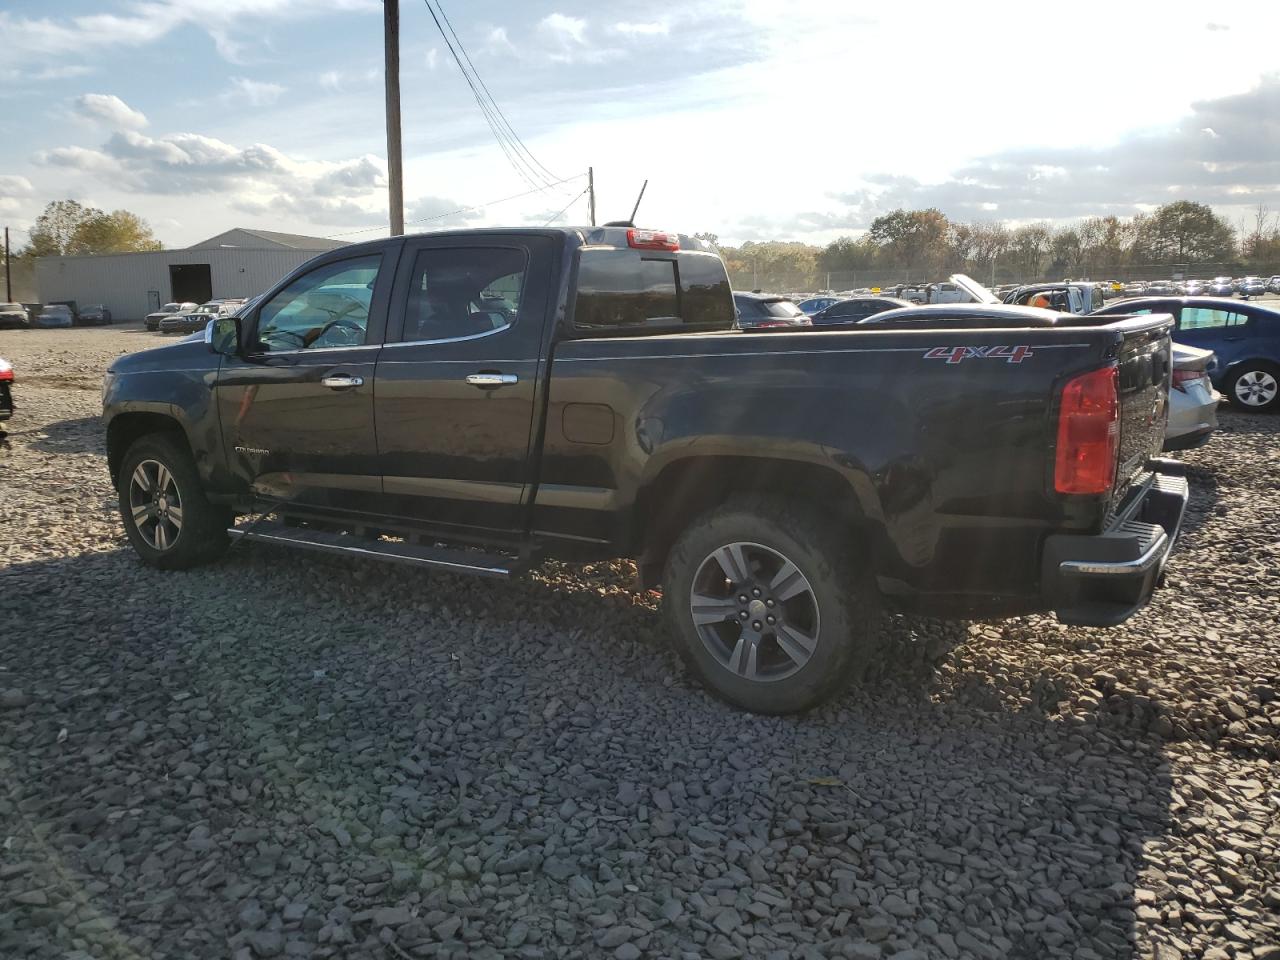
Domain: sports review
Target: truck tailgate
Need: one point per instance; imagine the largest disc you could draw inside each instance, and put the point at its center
(1144, 356)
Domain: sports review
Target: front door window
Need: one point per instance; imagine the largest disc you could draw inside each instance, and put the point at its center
(325, 308)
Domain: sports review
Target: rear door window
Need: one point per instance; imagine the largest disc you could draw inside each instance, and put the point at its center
(1206, 318)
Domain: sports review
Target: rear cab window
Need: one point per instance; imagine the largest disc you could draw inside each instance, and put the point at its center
(624, 290)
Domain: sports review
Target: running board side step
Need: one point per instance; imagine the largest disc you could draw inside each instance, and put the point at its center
(416, 555)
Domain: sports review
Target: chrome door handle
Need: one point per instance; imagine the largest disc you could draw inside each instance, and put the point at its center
(492, 379)
(342, 382)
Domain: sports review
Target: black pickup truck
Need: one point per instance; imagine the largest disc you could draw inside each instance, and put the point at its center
(477, 400)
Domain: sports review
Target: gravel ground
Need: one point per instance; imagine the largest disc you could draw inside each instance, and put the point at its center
(286, 755)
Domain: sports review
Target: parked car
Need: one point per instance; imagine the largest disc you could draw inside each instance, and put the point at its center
(1251, 287)
(198, 319)
(152, 320)
(1077, 298)
(1135, 288)
(1159, 288)
(13, 315)
(856, 309)
(620, 414)
(1220, 287)
(816, 304)
(765, 311)
(1244, 337)
(54, 315)
(6, 389)
(1194, 288)
(1193, 402)
(95, 313)
(1273, 284)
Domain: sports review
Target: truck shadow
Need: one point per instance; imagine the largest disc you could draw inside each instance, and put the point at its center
(82, 435)
(371, 722)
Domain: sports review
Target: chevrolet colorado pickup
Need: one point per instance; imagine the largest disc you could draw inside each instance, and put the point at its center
(474, 401)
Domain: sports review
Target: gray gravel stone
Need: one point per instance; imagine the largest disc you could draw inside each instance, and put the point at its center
(360, 760)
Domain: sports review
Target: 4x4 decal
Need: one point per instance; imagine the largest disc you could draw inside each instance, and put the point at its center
(956, 354)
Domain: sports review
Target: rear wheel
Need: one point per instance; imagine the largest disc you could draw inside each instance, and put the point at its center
(768, 606)
(1255, 386)
(169, 520)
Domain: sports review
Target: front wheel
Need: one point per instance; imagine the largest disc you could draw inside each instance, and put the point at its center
(167, 517)
(768, 605)
(1255, 386)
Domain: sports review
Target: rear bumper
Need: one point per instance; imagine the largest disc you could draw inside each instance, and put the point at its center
(1103, 579)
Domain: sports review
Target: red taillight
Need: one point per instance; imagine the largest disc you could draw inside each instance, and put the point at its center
(6, 371)
(1088, 433)
(1181, 377)
(652, 240)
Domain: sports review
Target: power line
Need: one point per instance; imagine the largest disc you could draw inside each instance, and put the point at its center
(557, 216)
(526, 170)
(483, 86)
(478, 206)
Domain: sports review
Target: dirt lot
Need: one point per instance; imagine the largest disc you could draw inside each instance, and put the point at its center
(285, 755)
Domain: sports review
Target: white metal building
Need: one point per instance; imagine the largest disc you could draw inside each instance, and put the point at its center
(237, 263)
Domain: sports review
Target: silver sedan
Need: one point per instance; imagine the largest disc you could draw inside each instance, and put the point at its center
(1193, 403)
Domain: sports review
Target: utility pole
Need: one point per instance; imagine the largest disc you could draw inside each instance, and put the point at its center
(8, 287)
(591, 193)
(395, 170)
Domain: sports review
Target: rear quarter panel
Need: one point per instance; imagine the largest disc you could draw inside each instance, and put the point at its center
(948, 452)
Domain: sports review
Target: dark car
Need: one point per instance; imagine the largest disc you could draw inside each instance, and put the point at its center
(857, 309)
(153, 319)
(815, 305)
(1245, 339)
(6, 391)
(14, 315)
(94, 314)
(781, 488)
(766, 311)
(197, 319)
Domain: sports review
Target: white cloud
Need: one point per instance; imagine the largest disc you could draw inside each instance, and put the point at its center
(497, 42)
(331, 80)
(14, 186)
(566, 38)
(658, 28)
(258, 178)
(110, 110)
(256, 93)
(231, 24)
(570, 30)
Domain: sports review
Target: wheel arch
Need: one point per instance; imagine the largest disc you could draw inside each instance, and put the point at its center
(124, 429)
(687, 487)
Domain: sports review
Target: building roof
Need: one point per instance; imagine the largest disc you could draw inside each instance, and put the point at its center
(266, 240)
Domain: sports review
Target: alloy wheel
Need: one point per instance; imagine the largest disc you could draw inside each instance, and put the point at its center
(155, 504)
(1257, 388)
(754, 611)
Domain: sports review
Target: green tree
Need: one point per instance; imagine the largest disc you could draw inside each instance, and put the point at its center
(915, 239)
(1066, 250)
(1181, 232)
(1028, 247)
(117, 232)
(68, 227)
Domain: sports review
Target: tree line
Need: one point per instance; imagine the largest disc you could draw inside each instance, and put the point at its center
(905, 245)
(68, 228)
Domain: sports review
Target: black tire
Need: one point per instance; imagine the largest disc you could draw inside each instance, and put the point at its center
(846, 634)
(1263, 375)
(200, 535)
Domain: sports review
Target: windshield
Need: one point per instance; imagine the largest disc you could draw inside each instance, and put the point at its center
(205, 309)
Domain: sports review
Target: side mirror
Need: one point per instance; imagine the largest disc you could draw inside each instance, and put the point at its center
(222, 334)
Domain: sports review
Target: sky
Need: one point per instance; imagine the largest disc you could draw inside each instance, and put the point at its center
(752, 119)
